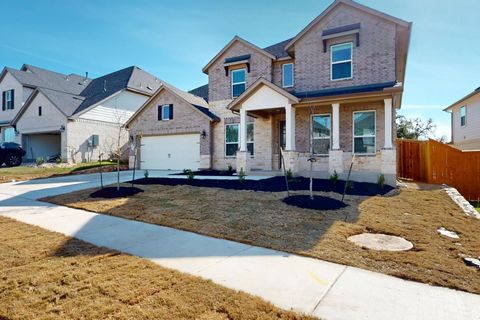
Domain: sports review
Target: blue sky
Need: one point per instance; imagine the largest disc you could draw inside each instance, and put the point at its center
(175, 39)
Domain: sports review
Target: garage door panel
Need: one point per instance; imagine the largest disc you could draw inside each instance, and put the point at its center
(171, 152)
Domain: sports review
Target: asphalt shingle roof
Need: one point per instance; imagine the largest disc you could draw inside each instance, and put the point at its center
(132, 77)
(201, 91)
(278, 49)
(74, 93)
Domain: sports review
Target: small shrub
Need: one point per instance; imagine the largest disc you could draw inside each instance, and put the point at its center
(289, 175)
(39, 161)
(145, 174)
(230, 168)
(350, 185)
(185, 171)
(334, 177)
(381, 181)
(58, 160)
(190, 174)
(241, 175)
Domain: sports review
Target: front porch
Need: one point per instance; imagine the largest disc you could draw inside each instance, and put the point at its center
(329, 132)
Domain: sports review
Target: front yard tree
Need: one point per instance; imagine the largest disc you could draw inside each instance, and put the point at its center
(414, 128)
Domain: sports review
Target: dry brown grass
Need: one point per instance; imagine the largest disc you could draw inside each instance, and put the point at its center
(261, 219)
(45, 275)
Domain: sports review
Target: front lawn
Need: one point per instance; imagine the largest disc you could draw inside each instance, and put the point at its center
(45, 275)
(263, 219)
(33, 172)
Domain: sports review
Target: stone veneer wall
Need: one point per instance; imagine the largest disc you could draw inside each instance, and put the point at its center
(262, 159)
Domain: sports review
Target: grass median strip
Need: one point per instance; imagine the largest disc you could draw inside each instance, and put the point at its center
(22, 173)
(262, 219)
(45, 275)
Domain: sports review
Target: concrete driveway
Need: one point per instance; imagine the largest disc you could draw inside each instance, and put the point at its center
(319, 288)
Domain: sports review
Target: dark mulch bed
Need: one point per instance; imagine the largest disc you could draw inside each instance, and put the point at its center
(318, 202)
(208, 173)
(112, 192)
(274, 184)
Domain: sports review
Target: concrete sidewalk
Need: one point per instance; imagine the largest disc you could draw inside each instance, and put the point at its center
(323, 289)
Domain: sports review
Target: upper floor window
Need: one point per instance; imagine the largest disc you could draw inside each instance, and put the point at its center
(165, 112)
(287, 75)
(321, 128)
(8, 100)
(364, 132)
(463, 116)
(40, 111)
(239, 82)
(341, 60)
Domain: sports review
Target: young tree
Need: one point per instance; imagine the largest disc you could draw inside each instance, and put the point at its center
(312, 158)
(414, 128)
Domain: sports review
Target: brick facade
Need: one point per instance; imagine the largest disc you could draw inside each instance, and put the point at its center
(373, 60)
(185, 120)
(219, 85)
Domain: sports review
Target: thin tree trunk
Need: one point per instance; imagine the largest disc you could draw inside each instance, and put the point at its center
(101, 171)
(311, 154)
(118, 158)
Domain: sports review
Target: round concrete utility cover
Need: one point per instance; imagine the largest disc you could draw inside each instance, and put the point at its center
(377, 241)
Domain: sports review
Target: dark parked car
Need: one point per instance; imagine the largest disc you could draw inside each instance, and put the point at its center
(11, 154)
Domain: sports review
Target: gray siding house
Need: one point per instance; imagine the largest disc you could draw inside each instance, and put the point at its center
(332, 90)
(73, 116)
(466, 121)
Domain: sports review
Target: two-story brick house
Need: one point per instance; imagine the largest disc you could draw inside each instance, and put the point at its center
(332, 90)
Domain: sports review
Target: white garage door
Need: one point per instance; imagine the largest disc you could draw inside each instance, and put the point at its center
(171, 152)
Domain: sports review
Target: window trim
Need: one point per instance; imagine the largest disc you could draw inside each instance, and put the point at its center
(238, 139)
(365, 136)
(342, 61)
(163, 112)
(283, 75)
(225, 139)
(465, 116)
(311, 133)
(9, 94)
(253, 141)
(236, 83)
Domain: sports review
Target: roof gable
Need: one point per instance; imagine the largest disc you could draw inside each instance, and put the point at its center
(462, 100)
(336, 4)
(197, 103)
(255, 87)
(234, 40)
(68, 102)
(131, 78)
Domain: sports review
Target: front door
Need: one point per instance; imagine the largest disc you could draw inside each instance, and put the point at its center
(282, 139)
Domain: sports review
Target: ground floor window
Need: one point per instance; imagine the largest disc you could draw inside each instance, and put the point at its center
(9, 135)
(364, 132)
(232, 139)
(321, 133)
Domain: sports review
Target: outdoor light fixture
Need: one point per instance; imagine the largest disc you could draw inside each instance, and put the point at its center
(62, 128)
(203, 134)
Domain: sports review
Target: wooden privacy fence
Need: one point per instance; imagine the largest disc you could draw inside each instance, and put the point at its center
(434, 162)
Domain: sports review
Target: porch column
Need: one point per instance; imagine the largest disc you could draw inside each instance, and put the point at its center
(243, 130)
(336, 126)
(388, 124)
(290, 127)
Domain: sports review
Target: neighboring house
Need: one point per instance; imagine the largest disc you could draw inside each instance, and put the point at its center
(70, 115)
(333, 90)
(466, 121)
